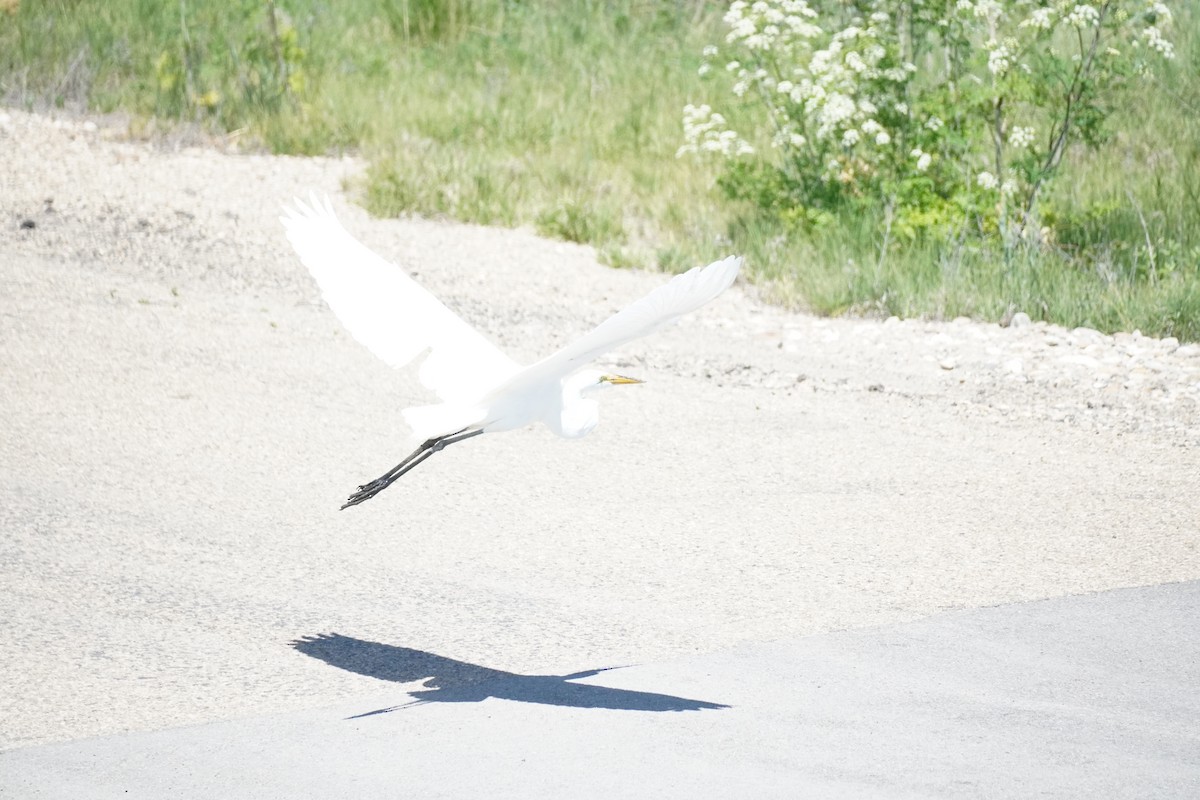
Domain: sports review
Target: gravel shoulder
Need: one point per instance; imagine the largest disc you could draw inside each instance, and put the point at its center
(183, 418)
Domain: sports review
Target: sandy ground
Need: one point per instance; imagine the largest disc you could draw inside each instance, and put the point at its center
(183, 417)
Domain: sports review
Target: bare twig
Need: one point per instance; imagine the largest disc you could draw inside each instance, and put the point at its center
(998, 141)
(887, 234)
(1146, 233)
(280, 63)
(189, 83)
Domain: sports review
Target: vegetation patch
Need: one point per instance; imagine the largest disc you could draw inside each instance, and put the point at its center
(916, 158)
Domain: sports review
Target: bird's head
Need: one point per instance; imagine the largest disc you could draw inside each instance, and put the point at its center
(617, 380)
(594, 379)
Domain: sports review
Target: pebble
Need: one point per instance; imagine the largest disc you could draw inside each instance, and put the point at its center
(1081, 360)
(1087, 336)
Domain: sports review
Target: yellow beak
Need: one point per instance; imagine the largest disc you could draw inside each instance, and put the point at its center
(618, 380)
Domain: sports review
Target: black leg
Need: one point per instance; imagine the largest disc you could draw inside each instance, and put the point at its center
(427, 448)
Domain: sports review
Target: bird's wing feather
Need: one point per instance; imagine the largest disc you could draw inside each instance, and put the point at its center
(680, 295)
(389, 312)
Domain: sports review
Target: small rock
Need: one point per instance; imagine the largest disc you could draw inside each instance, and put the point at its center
(1188, 350)
(1081, 360)
(1020, 320)
(947, 363)
(1086, 336)
(28, 224)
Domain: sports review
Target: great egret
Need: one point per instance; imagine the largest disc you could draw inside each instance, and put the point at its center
(482, 390)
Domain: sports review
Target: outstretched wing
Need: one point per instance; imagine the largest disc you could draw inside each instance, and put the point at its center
(680, 295)
(389, 312)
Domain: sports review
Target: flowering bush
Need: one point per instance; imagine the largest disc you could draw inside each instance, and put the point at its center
(940, 111)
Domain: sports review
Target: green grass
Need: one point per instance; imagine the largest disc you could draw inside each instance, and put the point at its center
(566, 116)
(945, 280)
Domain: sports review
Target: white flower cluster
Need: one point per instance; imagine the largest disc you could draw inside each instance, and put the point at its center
(873, 128)
(832, 90)
(1083, 16)
(1019, 137)
(836, 88)
(999, 57)
(705, 131)
(989, 182)
(759, 25)
(1158, 42)
(822, 88)
(1040, 18)
(985, 9)
(1159, 12)
(923, 159)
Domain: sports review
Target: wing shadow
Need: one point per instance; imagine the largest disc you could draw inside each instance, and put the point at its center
(450, 681)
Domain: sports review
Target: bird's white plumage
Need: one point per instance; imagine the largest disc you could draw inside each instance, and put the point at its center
(682, 294)
(390, 313)
(481, 387)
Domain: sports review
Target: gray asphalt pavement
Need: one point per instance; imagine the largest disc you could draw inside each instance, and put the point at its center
(1090, 696)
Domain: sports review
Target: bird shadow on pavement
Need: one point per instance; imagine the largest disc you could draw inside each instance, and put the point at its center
(450, 681)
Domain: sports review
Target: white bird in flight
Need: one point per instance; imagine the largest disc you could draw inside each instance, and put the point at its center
(482, 389)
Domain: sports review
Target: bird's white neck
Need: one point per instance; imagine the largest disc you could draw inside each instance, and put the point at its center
(579, 413)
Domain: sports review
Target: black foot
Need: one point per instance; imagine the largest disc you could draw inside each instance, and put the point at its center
(365, 492)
